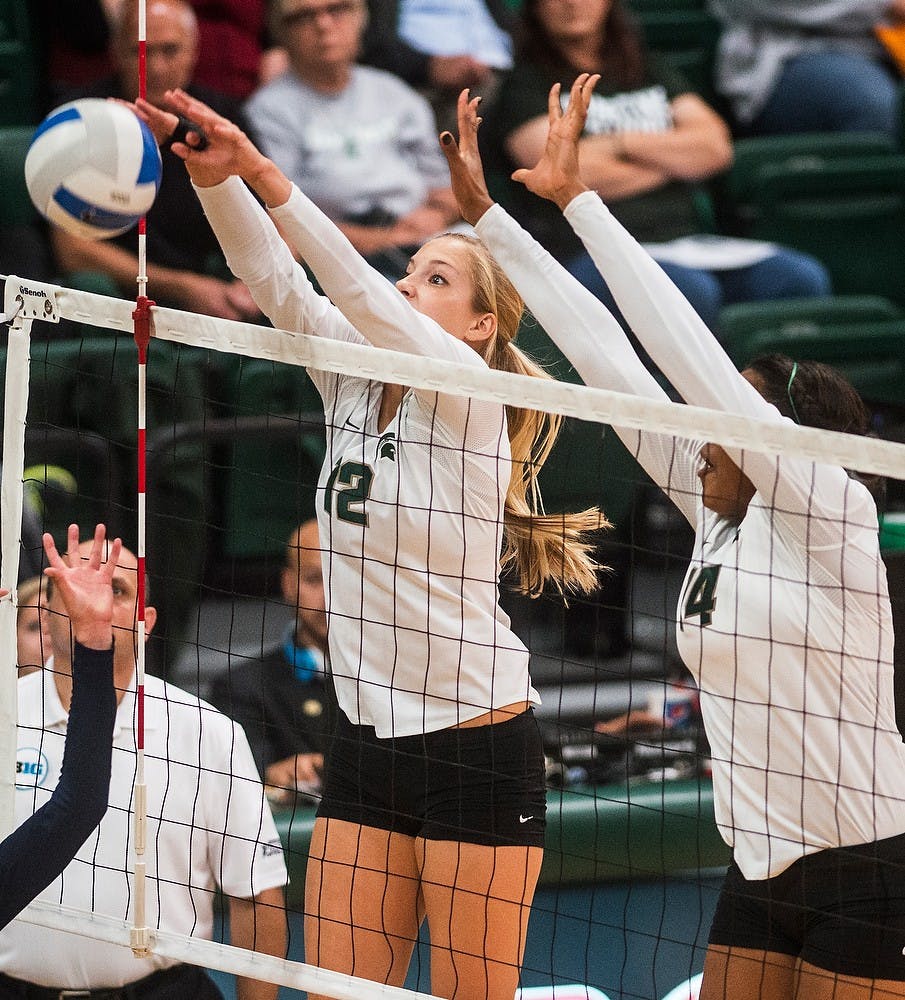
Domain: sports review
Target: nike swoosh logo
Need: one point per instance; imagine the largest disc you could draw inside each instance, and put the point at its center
(524, 819)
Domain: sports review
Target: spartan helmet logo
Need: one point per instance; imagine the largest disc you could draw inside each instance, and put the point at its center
(386, 446)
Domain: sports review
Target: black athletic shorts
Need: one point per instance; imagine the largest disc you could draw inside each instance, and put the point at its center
(841, 909)
(479, 785)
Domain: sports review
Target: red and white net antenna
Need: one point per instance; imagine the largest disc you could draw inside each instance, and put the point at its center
(140, 934)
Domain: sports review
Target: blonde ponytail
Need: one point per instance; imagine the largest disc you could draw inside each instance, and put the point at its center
(543, 548)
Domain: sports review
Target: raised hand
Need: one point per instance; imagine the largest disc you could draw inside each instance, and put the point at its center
(228, 150)
(85, 586)
(161, 123)
(466, 171)
(556, 176)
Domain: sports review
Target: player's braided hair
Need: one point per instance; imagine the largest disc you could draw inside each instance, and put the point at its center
(543, 548)
(815, 395)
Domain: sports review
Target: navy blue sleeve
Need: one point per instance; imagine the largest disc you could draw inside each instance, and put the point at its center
(32, 856)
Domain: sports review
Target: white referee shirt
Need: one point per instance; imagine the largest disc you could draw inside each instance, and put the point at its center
(208, 824)
(410, 518)
(784, 618)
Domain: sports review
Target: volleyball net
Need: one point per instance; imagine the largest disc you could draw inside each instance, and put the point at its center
(235, 442)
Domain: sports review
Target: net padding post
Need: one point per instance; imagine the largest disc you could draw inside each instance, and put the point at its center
(15, 410)
(140, 935)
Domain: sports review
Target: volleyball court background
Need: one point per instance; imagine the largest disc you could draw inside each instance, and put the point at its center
(235, 442)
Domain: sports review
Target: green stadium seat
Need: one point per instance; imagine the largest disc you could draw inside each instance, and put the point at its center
(850, 213)
(271, 471)
(892, 531)
(687, 38)
(19, 70)
(808, 151)
(15, 205)
(870, 354)
(791, 317)
(254, 386)
(268, 470)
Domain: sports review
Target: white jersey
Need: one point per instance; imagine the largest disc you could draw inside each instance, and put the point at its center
(784, 617)
(411, 517)
(209, 825)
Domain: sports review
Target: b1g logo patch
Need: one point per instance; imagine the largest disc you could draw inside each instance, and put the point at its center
(32, 768)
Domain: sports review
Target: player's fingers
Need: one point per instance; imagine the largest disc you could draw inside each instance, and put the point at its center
(190, 107)
(577, 92)
(449, 145)
(113, 552)
(72, 544)
(554, 108)
(181, 150)
(462, 108)
(97, 546)
(587, 90)
(50, 549)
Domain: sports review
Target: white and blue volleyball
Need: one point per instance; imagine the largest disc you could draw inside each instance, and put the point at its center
(93, 168)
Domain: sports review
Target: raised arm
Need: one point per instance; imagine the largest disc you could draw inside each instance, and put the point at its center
(38, 851)
(369, 303)
(577, 322)
(254, 249)
(676, 338)
(366, 298)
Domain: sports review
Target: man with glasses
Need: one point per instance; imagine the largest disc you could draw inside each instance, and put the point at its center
(185, 266)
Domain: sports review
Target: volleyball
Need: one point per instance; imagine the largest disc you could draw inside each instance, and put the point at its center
(93, 168)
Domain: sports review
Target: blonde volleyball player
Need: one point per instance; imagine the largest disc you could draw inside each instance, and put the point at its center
(434, 795)
(784, 618)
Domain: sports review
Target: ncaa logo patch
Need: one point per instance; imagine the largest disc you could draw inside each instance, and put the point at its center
(32, 768)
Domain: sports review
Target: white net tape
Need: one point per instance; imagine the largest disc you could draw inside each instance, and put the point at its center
(601, 405)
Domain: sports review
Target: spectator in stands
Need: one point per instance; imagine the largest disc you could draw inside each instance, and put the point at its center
(284, 701)
(32, 641)
(808, 65)
(441, 48)
(648, 143)
(234, 56)
(361, 143)
(208, 825)
(185, 266)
